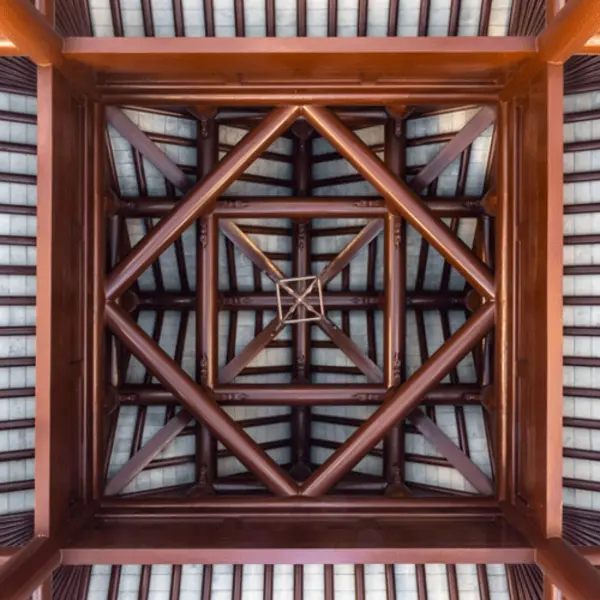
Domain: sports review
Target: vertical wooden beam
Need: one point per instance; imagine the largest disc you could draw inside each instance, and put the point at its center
(60, 276)
(505, 270)
(539, 227)
(301, 344)
(207, 238)
(395, 311)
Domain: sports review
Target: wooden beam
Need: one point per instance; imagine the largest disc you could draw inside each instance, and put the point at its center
(147, 148)
(199, 200)
(569, 31)
(435, 540)
(298, 207)
(401, 199)
(60, 462)
(25, 571)
(321, 58)
(154, 446)
(399, 403)
(198, 402)
(453, 149)
(32, 35)
(450, 451)
(371, 370)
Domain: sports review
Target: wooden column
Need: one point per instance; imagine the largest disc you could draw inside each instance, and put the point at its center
(207, 358)
(395, 287)
(301, 332)
(60, 316)
(539, 230)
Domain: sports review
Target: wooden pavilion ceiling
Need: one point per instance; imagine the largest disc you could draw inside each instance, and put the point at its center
(283, 403)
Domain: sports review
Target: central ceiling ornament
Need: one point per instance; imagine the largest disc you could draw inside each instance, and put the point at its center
(301, 305)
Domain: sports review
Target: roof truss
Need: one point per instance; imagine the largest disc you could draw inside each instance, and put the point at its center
(71, 496)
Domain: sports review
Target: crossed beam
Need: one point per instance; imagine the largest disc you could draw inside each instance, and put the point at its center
(337, 336)
(400, 402)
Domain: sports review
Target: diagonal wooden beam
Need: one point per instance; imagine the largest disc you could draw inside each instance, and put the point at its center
(198, 402)
(250, 249)
(569, 31)
(449, 450)
(200, 199)
(249, 353)
(399, 403)
(453, 149)
(364, 238)
(23, 25)
(401, 199)
(143, 457)
(147, 148)
(352, 351)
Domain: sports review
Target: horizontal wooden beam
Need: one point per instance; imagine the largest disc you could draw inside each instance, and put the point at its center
(315, 395)
(441, 540)
(323, 58)
(298, 208)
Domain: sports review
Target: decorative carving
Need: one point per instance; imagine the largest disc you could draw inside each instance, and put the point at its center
(300, 366)
(203, 233)
(236, 301)
(204, 129)
(397, 232)
(361, 300)
(203, 368)
(232, 204)
(396, 365)
(367, 397)
(234, 397)
(302, 234)
(367, 203)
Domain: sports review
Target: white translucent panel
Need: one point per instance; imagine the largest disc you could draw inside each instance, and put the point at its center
(581, 224)
(478, 442)
(129, 582)
(285, 18)
(17, 285)
(581, 254)
(437, 582)
(408, 19)
(224, 18)
(433, 330)
(222, 582)
(375, 585)
(101, 16)
(499, 17)
(163, 18)
(439, 17)
(581, 285)
(313, 582)
(19, 133)
(133, 18)
(581, 499)
(17, 316)
(152, 479)
(316, 18)
(193, 18)
(160, 582)
(136, 371)
(124, 166)
(99, 582)
(581, 102)
(466, 367)
(584, 377)
(406, 582)
(498, 582)
(343, 581)
(347, 18)
(478, 163)
(283, 582)
(17, 408)
(468, 21)
(466, 579)
(191, 582)
(17, 377)
(19, 193)
(255, 18)
(377, 18)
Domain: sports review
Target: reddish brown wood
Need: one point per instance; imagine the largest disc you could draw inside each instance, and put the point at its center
(398, 404)
(400, 198)
(199, 404)
(462, 140)
(199, 200)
